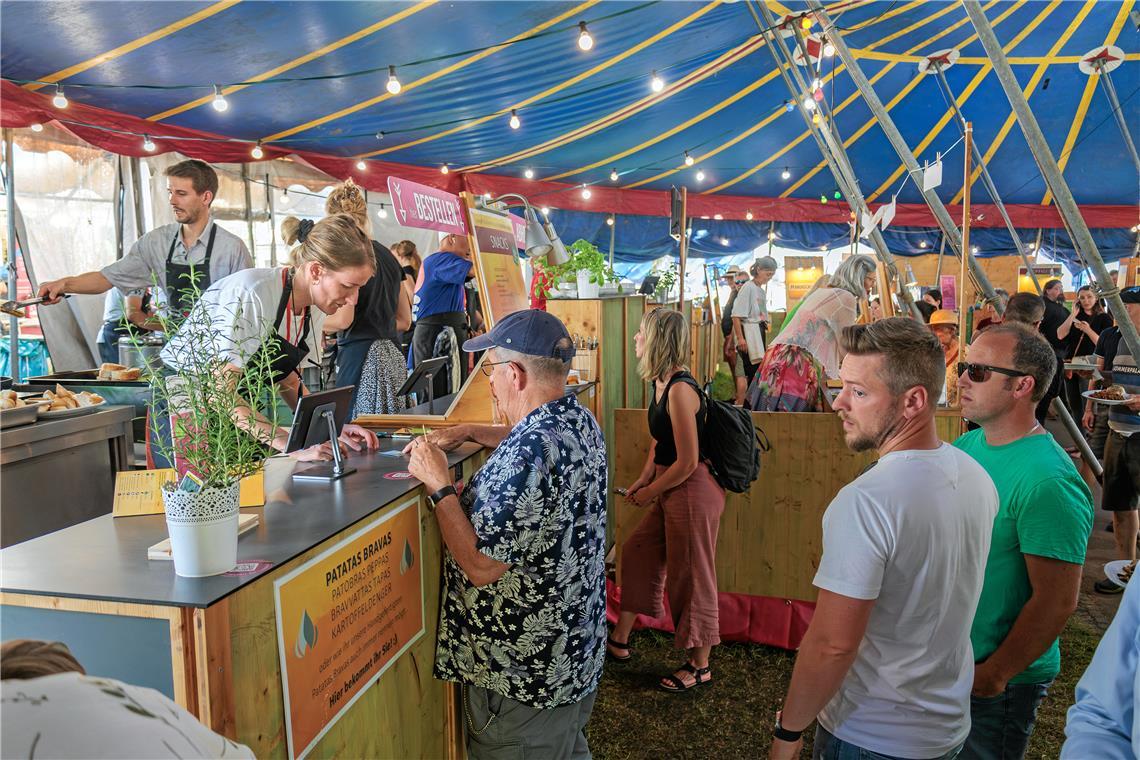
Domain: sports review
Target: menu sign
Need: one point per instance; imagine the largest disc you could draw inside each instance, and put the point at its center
(344, 617)
(497, 266)
(425, 207)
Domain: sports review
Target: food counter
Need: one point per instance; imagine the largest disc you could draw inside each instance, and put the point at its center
(57, 473)
(215, 645)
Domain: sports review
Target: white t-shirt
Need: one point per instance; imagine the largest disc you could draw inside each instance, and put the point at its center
(751, 304)
(235, 314)
(913, 533)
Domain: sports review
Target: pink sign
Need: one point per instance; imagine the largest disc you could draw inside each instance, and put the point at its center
(518, 224)
(425, 207)
(948, 284)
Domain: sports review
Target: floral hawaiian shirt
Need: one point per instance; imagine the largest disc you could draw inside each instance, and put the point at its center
(536, 635)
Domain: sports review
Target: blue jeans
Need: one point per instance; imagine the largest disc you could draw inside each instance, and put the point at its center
(827, 747)
(1001, 725)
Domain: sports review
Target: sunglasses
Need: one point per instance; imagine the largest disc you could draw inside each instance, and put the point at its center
(979, 373)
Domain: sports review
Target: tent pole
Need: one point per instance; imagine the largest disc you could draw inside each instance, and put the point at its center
(833, 152)
(613, 231)
(248, 208)
(272, 223)
(683, 248)
(962, 306)
(1110, 91)
(1062, 196)
(883, 117)
(13, 252)
(136, 191)
(991, 188)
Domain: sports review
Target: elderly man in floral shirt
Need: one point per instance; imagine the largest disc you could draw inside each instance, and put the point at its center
(522, 625)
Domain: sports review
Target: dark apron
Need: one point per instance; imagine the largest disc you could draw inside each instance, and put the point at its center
(183, 281)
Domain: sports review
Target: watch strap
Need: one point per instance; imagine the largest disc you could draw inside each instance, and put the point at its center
(441, 494)
(786, 735)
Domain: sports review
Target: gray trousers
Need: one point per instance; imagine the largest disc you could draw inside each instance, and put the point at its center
(510, 730)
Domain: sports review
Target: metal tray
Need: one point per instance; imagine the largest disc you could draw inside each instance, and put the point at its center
(79, 411)
(82, 378)
(21, 415)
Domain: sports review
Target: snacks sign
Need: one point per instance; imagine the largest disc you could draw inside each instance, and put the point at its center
(343, 618)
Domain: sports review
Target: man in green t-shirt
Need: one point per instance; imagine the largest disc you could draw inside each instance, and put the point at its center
(1037, 551)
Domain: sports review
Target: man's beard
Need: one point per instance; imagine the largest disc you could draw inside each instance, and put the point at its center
(874, 439)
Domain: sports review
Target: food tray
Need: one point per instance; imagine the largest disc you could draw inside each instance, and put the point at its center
(21, 415)
(79, 411)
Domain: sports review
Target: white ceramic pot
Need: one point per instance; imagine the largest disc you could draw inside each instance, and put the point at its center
(203, 530)
(587, 289)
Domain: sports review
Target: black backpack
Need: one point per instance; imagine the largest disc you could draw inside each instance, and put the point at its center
(731, 444)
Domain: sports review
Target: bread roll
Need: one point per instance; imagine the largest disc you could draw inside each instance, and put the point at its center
(126, 374)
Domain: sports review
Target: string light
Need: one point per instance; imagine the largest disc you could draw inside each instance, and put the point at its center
(586, 193)
(921, 243)
(817, 96)
(37, 127)
(771, 234)
(515, 123)
(609, 221)
(837, 195)
(257, 152)
(393, 85)
(60, 100)
(148, 144)
(688, 159)
(285, 200)
(383, 212)
(748, 216)
(220, 103)
(828, 50)
(816, 84)
(789, 106)
(614, 175)
(718, 216)
(973, 249)
(379, 135)
(786, 174)
(444, 169)
(809, 103)
(724, 241)
(806, 22)
(816, 118)
(823, 199)
(545, 210)
(656, 83)
(361, 166)
(528, 173)
(700, 175)
(585, 41)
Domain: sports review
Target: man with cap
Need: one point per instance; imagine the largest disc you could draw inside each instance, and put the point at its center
(522, 625)
(944, 324)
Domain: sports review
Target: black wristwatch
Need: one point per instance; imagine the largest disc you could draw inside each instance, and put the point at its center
(435, 498)
(785, 735)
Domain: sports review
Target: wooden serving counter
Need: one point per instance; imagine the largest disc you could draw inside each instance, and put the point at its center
(212, 644)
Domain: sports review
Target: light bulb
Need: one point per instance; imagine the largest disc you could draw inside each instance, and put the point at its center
(148, 144)
(786, 174)
(382, 213)
(688, 159)
(515, 123)
(718, 216)
(700, 175)
(586, 193)
(806, 22)
(37, 127)
(361, 166)
(921, 243)
(816, 83)
(393, 85)
(748, 216)
(585, 41)
(610, 221)
(379, 135)
(809, 103)
(545, 210)
(789, 106)
(837, 195)
(973, 249)
(817, 96)
(60, 100)
(257, 152)
(614, 176)
(815, 118)
(529, 173)
(220, 104)
(771, 234)
(828, 50)
(285, 199)
(823, 199)
(656, 83)
(443, 169)
(724, 241)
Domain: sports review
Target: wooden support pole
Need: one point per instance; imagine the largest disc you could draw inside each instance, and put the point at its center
(683, 245)
(965, 248)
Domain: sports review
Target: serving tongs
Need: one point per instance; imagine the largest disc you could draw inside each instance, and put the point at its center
(16, 308)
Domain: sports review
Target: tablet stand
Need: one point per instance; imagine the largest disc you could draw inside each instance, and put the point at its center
(326, 472)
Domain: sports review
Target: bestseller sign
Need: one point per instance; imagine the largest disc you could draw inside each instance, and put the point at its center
(344, 617)
(426, 208)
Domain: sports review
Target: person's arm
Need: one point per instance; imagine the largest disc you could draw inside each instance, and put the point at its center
(449, 439)
(1100, 722)
(1066, 327)
(132, 307)
(453, 269)
(88, 283)
(340, 320)
(404, 308)
(1089, 417)
(826, 653)
(647, 471)
(683, 404)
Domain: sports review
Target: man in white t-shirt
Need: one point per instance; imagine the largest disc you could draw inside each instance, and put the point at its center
(750, 318)
(886, 663)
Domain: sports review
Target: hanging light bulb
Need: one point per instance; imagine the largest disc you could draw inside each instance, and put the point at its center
(816, 118)
(656, 83)
(789, 106)
(515, 123)
(383, 212)
(379, 135)
(257, 152)
(816, 84)
(823, 199)
(688, 159)
(285, 200)
(806, 22)
(37, 127)
(528, 173)
(817, 96)
(393, 85)
(828, 50)
(614, 175)
(700, 175)
(148, 144)
(220, 103)
(609, 221)
(921, 243)
(585, 41)
(748, 215)
(973, 249)
(586, 193)
(809, 103)
(443, 169)
(771, 234)
(786, 174)
(718, 216)
(837, 195)
(60, 100)
(545, 210)
(361, 166)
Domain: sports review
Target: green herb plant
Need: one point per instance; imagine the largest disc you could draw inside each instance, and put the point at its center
(667, 279)
(584, 256)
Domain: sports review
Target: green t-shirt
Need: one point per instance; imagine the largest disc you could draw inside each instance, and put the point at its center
(1045, 510)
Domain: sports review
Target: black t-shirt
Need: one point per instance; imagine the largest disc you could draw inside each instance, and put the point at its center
(1055, 316)
(661, 427)
(1081, 344)
(375, 316)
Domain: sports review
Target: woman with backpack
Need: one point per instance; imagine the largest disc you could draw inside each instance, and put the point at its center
(677, 537)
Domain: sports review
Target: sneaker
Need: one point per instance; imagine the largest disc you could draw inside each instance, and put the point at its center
(1107, 587)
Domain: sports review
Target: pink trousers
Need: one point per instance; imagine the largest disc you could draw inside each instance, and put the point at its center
(677, 539)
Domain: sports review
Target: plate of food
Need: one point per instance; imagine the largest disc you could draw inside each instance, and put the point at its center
(1112, 395)
(62, 403)
(15, 411)
(1120, 571)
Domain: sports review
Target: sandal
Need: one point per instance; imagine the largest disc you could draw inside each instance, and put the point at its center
(674, 684)
(615, 644)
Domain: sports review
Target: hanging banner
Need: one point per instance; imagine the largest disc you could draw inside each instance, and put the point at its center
(948, 284)
(886, 214)
(497, 266)
(344, 617)
(425, 208)
(932, 175)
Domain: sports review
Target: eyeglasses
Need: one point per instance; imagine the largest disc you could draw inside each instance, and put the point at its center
(979, 373)
(489, 367)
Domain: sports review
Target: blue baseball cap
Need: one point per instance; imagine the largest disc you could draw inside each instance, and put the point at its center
(527, 331)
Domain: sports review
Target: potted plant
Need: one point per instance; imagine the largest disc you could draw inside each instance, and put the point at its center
(667, 278)
(589, 265)
(210, 453)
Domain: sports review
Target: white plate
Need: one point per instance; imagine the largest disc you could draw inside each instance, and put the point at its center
(1112, 570)
(1086, 394)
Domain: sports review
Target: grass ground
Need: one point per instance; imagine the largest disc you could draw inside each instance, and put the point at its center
(733, 718)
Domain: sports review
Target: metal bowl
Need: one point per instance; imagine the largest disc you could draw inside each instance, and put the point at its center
(21, 415)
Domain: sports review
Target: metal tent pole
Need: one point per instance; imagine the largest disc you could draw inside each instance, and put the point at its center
(13, 252)
(1110, 91)
(883, 117)
(1062, 196)
(833, 152)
